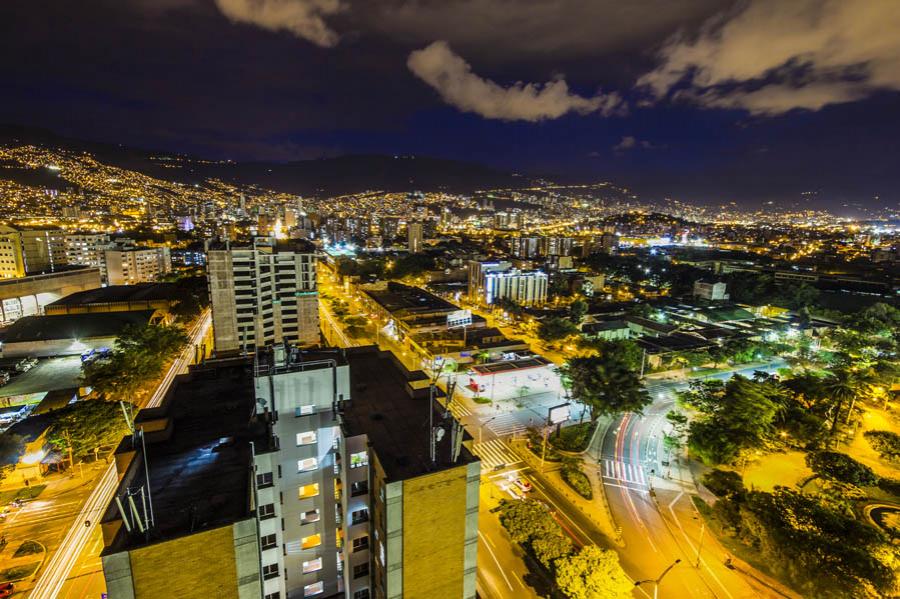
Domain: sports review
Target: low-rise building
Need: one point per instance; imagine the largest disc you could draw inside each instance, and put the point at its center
(70, 334)
(710, 290)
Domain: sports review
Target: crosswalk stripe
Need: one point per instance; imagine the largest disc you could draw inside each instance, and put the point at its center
(494, 453)
(624, 471)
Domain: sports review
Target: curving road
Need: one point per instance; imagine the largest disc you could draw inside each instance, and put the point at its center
(649, 495)
(54, 576)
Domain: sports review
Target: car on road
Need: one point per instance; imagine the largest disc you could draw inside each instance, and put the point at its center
(523, 484)
(4, 377)
(7, 589)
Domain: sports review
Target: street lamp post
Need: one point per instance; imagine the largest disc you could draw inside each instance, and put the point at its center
(481, 429)
(658, 580)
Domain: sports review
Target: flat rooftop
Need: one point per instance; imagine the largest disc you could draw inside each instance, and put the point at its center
(201, 462)
(404, 298)
(394, 417)
(73, 326)
(121, 293)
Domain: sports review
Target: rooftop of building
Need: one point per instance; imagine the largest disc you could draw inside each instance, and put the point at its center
(74, 326)
(200, 455)
(406, 299)
(393, 413)
(299, 246)
(121, 293)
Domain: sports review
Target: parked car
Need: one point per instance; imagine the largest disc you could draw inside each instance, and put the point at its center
(26, 364)
(4, 377)
(7, 589)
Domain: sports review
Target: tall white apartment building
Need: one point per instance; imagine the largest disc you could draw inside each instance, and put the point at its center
(263, 292)
(490, 281)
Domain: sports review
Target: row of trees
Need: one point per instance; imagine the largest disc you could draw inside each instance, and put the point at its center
(587, 573)
(138, 357)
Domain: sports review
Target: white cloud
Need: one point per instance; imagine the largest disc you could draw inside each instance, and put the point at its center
(303, 18)
(630, 142)
(772, 56)
(454, 80)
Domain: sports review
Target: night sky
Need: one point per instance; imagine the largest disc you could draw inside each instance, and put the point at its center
(698, 100)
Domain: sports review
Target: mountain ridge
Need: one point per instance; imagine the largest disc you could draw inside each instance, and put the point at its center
(350, 173)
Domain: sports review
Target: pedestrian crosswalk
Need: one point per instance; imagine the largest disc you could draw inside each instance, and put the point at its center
(494, 453)
(624, 472)
(506, 424)
(459, 410)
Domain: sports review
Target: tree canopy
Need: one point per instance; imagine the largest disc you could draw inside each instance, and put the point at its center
(526, 520)
(138, 357)
(555, 328)
(841, 467)
(87, 424)
(593, 573)
(606, 384)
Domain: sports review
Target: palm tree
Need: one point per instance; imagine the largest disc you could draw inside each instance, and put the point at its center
(843, 385)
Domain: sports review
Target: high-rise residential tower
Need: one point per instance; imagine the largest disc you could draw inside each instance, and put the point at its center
(263, 292)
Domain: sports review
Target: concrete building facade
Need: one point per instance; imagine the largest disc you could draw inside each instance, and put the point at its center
(130, 265)
(414, 237)
(262, 293)
(87, 249)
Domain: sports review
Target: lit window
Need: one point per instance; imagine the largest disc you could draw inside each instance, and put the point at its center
(310, 517)
(313, 589)
(307, 438)
(311, 541)
(312, 566)
(304, 410)
(307, 464)
(358, 460)
(309, 490)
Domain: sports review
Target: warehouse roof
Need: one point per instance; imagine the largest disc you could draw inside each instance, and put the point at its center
(121, 293)
(73, 326)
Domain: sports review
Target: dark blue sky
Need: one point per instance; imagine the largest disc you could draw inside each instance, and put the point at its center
(706, 101)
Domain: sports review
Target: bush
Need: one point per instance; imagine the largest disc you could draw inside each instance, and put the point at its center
(481, 400)
(575, 478)
(28, 548)
(886, 443)
(841, 467)
(573, 438)
(724, 483)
